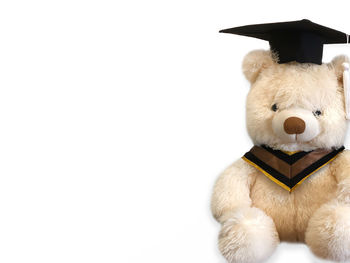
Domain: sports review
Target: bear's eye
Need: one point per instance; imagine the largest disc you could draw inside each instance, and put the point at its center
(274, 107)
(317, 113)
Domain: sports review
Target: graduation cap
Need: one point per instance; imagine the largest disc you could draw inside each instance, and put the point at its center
(300, 41)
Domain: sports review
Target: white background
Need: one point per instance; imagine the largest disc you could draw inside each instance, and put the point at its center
(117, 117)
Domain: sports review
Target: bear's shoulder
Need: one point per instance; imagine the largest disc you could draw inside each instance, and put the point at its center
(341, 165)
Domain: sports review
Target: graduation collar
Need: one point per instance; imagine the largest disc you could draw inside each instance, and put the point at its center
(289, 169)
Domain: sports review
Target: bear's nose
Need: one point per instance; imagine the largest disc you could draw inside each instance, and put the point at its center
(294, 125)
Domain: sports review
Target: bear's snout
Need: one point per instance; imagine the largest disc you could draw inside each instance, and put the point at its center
(294, 125)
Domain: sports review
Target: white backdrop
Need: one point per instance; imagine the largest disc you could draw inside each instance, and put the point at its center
(117, 117)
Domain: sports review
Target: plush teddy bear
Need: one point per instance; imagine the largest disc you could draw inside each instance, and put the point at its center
(294, 184)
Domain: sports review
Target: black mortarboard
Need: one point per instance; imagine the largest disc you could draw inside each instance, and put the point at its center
(300, 41)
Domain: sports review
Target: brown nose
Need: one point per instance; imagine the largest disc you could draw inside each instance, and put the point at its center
(294, 125)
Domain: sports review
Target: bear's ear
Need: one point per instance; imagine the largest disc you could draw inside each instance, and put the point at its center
(254, 62)
(337, 65)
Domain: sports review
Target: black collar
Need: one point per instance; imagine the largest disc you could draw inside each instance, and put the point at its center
(289, 169)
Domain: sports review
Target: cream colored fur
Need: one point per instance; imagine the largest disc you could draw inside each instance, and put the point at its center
(256, 213)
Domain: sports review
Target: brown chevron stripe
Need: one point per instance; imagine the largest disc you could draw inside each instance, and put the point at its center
(284, 168)
(308, 160)
(271, 160)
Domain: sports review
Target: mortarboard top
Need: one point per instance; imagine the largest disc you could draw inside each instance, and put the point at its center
(300, 41)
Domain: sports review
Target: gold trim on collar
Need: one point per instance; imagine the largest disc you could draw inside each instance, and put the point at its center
(291, 153)
(268, 175)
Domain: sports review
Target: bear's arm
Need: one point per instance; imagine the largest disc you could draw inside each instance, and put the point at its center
(341, 172)
(232, 189)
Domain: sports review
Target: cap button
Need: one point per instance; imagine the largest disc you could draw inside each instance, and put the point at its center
(306, 20)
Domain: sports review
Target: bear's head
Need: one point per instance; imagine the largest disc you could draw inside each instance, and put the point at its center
(294, 106)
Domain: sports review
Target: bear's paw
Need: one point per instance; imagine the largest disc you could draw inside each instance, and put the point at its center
(247, 235)
(328, 232)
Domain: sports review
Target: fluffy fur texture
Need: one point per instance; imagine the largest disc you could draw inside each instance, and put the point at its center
(247, 229)
(328, 234)
(256, 213)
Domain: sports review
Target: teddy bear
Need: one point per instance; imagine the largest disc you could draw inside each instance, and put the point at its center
(292, 109)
